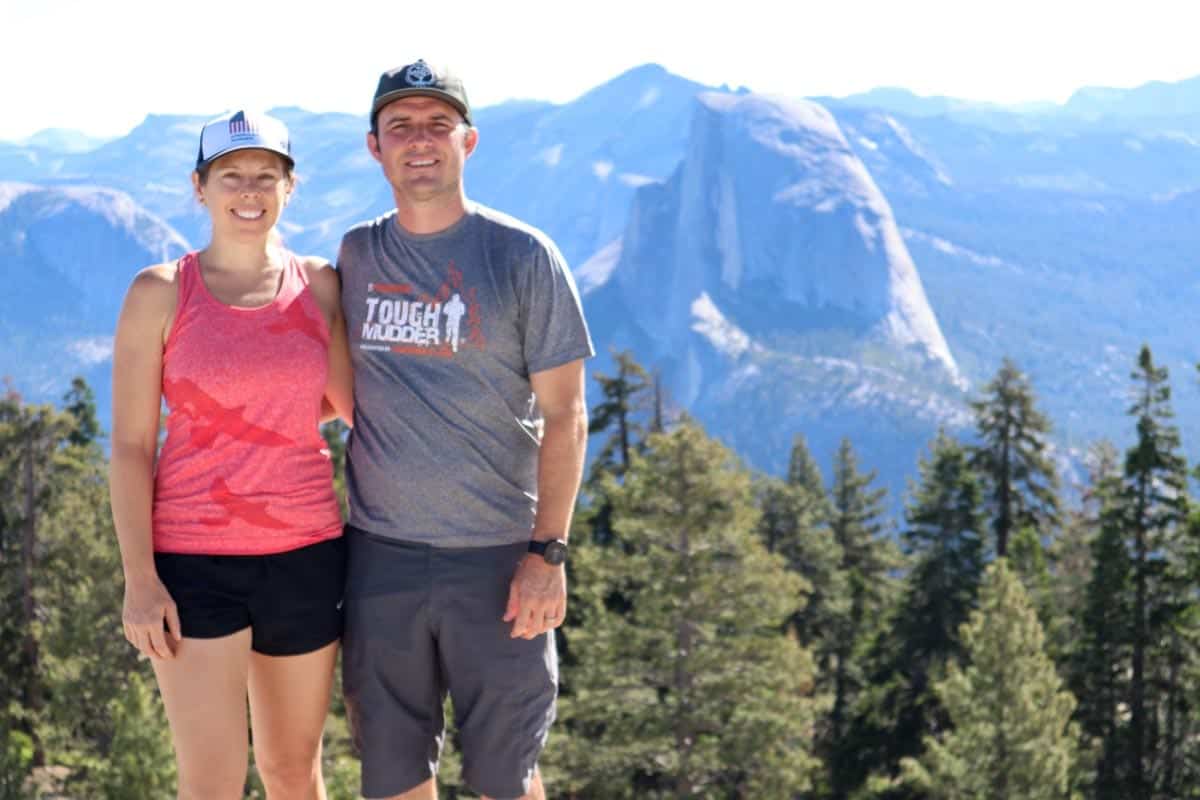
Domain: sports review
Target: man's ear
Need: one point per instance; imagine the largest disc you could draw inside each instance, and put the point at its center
(471, 140)
(373, 146)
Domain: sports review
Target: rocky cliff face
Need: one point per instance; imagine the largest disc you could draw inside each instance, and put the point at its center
(778, 225)
(769, 281)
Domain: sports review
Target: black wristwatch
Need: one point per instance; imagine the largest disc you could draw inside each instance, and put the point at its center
(552, 551)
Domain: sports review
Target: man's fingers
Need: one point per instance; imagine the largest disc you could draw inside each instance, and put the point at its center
(527, 621)
(513, 606)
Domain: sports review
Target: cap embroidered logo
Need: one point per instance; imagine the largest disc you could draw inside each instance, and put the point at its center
(419, 74)
(240, 127)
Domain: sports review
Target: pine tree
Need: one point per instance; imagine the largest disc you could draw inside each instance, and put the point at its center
(1012, 459)
(1012, 738)
(1071, 555)
(621, 414)
(16, 760)
(1182, 751)
(869, 558)
(794, 525)
(34, 459)
(1029, 559)
(1101, 665)
(692, 691)
(803, 472)
(1153, 507)
(80, 403)
(1094, 622)
(622, 411)
(945, 540)
(140, 764)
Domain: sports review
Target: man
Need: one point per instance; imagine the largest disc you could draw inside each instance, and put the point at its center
(468, 342)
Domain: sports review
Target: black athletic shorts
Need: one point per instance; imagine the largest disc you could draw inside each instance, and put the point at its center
(291, 601)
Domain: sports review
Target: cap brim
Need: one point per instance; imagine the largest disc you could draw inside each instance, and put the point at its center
(256, 146)
(446, 97)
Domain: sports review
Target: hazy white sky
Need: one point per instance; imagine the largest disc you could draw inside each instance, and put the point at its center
(101, 65)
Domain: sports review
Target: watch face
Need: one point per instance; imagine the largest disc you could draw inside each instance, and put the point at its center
(556, 553)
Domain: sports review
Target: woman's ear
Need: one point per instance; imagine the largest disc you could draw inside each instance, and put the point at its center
(197, 188)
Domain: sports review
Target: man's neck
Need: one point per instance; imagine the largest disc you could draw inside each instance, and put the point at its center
(433, 217)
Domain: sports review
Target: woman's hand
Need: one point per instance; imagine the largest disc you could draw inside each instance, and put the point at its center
(147, 606)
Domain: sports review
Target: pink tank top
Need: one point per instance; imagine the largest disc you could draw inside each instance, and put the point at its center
(244, 469)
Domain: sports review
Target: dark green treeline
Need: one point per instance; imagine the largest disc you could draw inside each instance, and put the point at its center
(730, 634)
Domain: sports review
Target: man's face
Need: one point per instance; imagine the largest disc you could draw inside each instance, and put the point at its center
(422, 144)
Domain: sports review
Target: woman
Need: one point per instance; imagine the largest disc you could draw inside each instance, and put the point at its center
(231, 544)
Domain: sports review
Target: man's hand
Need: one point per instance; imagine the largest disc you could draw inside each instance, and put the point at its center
(537, 598)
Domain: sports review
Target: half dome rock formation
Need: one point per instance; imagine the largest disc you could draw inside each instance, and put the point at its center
(773, 218)
(768, 283)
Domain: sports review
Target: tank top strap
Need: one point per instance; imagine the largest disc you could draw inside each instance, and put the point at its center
(189, 278)
(294, 278)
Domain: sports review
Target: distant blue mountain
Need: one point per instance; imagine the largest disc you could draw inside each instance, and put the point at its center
(66, 257)
(902, 101)
(63, 140)
(834, 268)
(1155, 99)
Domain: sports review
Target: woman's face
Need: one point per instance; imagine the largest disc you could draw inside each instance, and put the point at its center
(244, 191)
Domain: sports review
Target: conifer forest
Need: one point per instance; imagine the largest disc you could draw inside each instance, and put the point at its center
(1013, 635)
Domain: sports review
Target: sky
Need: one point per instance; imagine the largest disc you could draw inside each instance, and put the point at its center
(100, 67)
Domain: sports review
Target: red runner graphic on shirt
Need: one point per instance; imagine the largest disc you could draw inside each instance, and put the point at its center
(239, 507)
(402, 320)
(295, 319)
(210, 419)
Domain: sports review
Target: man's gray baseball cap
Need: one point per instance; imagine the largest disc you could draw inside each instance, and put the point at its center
(421, 79)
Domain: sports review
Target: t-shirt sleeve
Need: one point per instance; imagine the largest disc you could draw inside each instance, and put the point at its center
(555, 331)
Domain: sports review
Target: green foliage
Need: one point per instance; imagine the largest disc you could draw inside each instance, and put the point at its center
(1021, 482)
(16, 761)
(945, 539)
(1097, 664)
(139, 763)
(726, 634)
(41, 466)
(1012, 738)
(80, 403)
(793, 524)
(1152, 507)
(1071, 558)
(335, 433)
(692, 692)
(622, 412)
(869, 563)
(803, 472)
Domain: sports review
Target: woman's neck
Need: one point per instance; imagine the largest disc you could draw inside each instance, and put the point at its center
(241, 256)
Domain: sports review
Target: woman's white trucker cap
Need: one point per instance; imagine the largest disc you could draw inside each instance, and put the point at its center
(243, 130)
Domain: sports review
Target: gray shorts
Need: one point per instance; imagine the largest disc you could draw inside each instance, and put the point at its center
(422, 621)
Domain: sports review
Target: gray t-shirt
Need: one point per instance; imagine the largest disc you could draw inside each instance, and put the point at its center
(445, 330)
